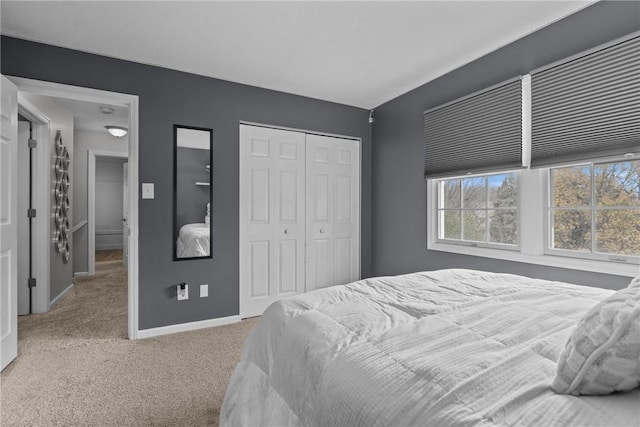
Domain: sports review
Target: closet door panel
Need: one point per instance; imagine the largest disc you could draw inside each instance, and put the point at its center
(272, 184)
(333, 202)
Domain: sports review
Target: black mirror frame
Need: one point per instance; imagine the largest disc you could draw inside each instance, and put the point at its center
(174, 230)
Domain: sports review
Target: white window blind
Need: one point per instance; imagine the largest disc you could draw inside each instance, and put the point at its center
(478, 133)
(587, 107)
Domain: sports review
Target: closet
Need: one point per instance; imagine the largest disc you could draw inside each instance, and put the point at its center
(299, 214)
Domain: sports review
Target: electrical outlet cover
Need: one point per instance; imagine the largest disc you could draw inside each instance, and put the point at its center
(183, 293)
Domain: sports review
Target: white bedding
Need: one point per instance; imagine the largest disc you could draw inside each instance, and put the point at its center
(451, 347)
(193, 241)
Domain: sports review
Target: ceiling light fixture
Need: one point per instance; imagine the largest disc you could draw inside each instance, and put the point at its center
(106, 110)
(117, 131)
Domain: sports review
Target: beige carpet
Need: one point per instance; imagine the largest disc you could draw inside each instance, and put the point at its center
(75, 366)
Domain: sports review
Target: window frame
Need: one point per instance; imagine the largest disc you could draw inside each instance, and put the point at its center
(439, 184)
(592, 208)
(532, 242)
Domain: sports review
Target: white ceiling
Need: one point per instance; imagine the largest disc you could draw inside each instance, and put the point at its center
(360, 53)
(88, 117)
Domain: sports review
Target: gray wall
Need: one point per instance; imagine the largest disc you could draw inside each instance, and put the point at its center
(399, 191)
(83, 142)
(191, 199)
(60, 274)
(170, 97)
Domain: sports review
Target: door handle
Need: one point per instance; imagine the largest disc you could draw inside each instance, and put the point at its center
(286, 231)
(322, 231)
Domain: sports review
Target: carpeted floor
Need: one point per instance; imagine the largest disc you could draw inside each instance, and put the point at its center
(75, 366)
(108, 255)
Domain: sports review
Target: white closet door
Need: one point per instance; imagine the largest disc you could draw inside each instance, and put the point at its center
(333, 211)
(272, 216)
(8, 223)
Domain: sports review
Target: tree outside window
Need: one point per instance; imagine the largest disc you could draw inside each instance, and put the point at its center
(595, 208)
(479, 209)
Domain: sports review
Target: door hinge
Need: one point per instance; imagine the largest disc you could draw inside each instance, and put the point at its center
(32, 282)
(31, 213)
(32, 143)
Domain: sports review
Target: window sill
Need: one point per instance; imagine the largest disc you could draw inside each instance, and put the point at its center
(607, 267)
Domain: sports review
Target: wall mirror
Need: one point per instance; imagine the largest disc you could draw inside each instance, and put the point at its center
(192, 186)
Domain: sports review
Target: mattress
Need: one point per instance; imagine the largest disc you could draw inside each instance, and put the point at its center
(450, 347)
(193, 240)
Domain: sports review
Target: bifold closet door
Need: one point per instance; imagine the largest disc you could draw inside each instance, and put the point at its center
(272, 216)
(333, 211)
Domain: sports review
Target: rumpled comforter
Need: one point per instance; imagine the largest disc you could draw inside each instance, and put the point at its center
(450, 347)
(193, 240)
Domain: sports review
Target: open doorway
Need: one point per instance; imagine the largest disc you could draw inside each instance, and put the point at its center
(121, 111)
(85, 302)
(108, 208)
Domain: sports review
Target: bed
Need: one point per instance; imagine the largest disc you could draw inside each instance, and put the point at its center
(450, 347)
(193, 240)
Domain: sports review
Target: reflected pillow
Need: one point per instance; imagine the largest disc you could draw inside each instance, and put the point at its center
(603, 353)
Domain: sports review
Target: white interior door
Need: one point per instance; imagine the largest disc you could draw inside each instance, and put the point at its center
(333, 211)
(272, 216)
(8, 223)
(125, 213)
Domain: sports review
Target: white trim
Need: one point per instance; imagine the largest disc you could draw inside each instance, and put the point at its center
(60, 296)
(91, 202)
(42, 203)
(184, 327)
(119, 99)
(310, 132)
(80, 274)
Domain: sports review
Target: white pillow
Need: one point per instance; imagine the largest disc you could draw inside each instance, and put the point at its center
(603, 353)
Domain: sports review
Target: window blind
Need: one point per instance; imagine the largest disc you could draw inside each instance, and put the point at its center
(479, 133)
(587, 107)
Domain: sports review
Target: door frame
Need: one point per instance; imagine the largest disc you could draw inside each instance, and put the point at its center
(91, 202)
(114, 98)
(357, 140)
(40, 197)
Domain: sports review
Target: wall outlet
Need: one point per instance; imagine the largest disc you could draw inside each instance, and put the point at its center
(204, 291)
(183, 291)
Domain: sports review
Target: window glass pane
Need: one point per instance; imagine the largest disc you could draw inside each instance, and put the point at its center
(572, 229)
(618, 231)
(617, 184)
(475, 228)
(503, 191)
(451, 193)
(571, 186)
(451, 220)
(474, 193)
(503, 226)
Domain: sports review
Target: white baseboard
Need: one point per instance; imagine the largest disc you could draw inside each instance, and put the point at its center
(183, 327)
(60, 296)
(80, 274)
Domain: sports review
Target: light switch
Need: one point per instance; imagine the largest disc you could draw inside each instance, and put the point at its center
(147, 190)
(204, 291)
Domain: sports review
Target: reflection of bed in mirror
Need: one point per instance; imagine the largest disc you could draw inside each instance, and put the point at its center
(193, 240)
(192, 199)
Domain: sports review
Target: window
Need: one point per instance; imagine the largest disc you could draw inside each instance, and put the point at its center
(594, 210)
(479, 210)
